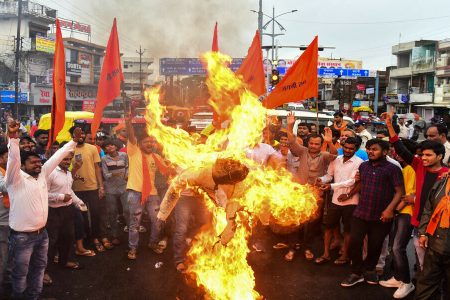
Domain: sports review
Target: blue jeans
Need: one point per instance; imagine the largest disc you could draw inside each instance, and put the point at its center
(4, 233)
(28, 252)
(186, 208)
(136, 209)
(402, 234)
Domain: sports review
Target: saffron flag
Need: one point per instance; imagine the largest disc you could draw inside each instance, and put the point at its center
(252, 69)
(59, 88)
(215, 42)
(110, 78)
(300, 81)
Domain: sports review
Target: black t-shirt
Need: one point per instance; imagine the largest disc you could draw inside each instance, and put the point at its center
(428, 182)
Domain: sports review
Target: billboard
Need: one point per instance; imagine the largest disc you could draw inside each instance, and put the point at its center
(9, 97)
(75, 26)
(73, 69)
(44, 44)
(189, 66)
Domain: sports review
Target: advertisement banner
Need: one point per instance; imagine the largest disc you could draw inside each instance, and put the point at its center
(73, 69)
(44, 44)
(88, 105)
(360, 87)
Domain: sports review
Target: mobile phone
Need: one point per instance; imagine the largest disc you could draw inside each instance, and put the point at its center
(78, 157)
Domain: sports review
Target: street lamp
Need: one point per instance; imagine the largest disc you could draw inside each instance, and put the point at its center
(272, 19)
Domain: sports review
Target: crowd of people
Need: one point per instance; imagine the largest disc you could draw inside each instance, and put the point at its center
(375, 194)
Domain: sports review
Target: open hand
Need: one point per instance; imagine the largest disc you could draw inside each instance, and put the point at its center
(327, 135)
(290, 119)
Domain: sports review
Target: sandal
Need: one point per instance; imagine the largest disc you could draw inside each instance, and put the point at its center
(85, 253)
(107, 244)
(342, 261)
(280, 246)
(309, 255)
(99, 247)
(289, 256)
(72, 265)
(322, 260)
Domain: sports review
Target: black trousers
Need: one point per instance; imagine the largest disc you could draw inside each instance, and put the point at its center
(376, 232)
(61, 234)
(436, 267)
(93, 203)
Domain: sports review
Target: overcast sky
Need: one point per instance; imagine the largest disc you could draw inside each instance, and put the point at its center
(363, 30)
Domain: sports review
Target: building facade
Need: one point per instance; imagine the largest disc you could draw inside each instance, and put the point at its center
(412, 81)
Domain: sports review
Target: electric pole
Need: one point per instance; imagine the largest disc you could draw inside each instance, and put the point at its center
(16, 69)
(140, 52)
(260, 21)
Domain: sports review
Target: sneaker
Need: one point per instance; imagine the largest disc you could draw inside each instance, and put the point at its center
(132, 254)
(391, 283)
(142, 229)
(371, 277)
(404, 290)
(352, 280)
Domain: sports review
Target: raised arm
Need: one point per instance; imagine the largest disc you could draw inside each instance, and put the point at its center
(294, 146)
(130, 130)
(59, 155)
(328, 139)
(400, 149)
(13, 167)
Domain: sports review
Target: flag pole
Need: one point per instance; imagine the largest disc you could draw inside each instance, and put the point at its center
(317, 114)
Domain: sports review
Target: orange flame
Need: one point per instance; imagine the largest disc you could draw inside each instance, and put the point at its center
(269, 194)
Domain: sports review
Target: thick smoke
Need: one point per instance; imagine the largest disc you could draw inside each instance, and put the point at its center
(180, 28)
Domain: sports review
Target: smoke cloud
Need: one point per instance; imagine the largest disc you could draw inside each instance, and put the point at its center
(178, 28)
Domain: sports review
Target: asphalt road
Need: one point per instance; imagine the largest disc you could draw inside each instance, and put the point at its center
(110, 275)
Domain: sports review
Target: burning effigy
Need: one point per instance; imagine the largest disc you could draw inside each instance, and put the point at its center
(218, 255)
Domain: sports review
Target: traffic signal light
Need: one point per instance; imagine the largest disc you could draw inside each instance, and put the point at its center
(275, 78)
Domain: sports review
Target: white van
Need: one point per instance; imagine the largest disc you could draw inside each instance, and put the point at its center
(309, 117)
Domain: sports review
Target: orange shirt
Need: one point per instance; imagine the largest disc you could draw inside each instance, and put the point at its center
(5, 195)
(343, 126)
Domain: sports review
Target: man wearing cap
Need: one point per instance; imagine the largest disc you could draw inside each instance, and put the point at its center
(360, 128)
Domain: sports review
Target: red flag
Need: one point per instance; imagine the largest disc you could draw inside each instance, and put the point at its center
(215, 43)
(300, 81)
(252, 69)
(59, 88)
(110, 78)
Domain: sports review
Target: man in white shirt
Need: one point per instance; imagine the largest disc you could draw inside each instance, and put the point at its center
(403, 129)
(360, 128)
(438, 133)
(60, 223)
(27, 189)
(343, 170)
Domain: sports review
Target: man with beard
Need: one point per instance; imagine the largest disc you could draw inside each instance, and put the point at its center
(26, 144)
(41, 138)
(26, 182)
(90, 189)
(381, 189)
(142, 192)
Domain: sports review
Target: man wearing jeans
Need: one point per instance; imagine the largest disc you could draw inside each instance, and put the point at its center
(142, 192)
(28, 193)
(190, 204)
(4, 217)
(381, 189)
